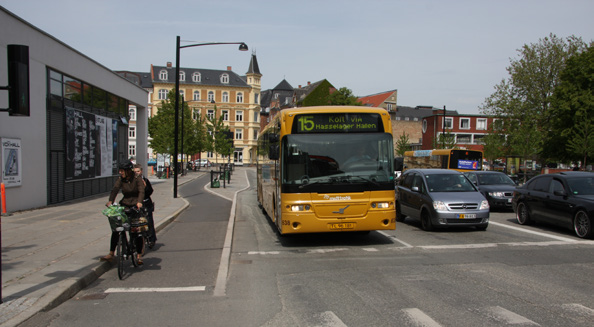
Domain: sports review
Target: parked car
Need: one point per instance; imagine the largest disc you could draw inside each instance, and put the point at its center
(564, 199)
(495, 186)
(440, 198)
(203, 163)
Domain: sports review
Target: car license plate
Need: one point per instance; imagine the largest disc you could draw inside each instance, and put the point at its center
(467, 215)
(509, 200)
(342, 226)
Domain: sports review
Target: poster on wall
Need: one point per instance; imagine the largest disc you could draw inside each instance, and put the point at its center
(89, 145)
(11, 162)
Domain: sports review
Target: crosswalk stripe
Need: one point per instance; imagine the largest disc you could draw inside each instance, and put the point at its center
(155, 289)
(419, 318)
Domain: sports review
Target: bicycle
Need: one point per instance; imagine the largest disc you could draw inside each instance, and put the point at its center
(129, 220)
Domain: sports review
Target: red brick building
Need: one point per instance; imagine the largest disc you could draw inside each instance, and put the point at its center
(468, 130)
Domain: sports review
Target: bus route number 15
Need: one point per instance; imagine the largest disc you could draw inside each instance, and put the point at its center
(306, 123)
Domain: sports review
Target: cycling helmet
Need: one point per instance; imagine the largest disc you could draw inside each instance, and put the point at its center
(126, 165)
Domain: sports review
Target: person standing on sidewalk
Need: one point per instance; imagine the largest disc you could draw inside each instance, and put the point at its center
(133, 190)
(148, 204)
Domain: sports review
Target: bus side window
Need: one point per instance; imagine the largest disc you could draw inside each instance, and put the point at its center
(444, 162)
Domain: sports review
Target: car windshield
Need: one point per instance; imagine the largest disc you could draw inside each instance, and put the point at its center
(448, 183)
(581, 185)
(494, 179)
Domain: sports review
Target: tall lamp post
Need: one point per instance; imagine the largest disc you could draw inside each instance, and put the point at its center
(242, 47)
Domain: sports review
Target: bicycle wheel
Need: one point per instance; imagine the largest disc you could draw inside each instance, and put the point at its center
(133, 251)
(120, 250)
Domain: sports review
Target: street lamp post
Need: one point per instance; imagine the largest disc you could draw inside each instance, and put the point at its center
(242, 47)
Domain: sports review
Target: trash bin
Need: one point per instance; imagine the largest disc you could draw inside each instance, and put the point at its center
(215, 184)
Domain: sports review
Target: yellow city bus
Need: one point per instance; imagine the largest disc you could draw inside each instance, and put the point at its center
(327, 169)
(456, 159)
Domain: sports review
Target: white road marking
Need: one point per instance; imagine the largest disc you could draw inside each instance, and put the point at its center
(524, 230)
(509, 317)
(263, 252)
(419, 318)
(370, 249)
(155, 289)
(329, 319)
(578, 308)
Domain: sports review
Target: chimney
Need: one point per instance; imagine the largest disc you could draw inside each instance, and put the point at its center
(169, 65)
(229, 68)
(299, 85)
(308, 83)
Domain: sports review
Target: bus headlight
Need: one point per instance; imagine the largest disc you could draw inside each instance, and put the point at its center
(439, 205)
(300, 207)
(380, 205)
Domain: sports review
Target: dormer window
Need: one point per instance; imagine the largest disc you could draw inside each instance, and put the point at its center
(182, 76)
(163, 75)
(196, 77)
(225, 78)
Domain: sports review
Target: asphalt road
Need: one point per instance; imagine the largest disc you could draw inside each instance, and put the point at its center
(506, 276)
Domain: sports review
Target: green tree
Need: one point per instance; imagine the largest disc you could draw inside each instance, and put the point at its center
(523, 100)
(402, 144)
(218, 140)
(344, 97)
(571, 137)
(161, 128)
(445, 141)
(495, 143)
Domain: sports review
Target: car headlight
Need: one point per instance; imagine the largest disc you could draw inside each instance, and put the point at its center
(484, 205)
(439, 205)
(496, 194)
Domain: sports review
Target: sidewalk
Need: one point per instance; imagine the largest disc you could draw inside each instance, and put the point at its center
(50, 254)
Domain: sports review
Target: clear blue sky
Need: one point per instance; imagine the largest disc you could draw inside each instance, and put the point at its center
(434, 53)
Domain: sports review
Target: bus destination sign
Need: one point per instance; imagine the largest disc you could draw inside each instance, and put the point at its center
(337, 123)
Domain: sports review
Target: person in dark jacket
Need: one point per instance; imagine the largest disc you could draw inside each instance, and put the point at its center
(148, 204)
(133, 190)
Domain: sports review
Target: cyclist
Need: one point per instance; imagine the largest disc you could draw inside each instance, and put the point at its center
(133, 190)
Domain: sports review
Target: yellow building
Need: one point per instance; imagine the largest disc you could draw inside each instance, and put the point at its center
(236, 98)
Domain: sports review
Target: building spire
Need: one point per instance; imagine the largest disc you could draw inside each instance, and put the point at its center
(254, 69)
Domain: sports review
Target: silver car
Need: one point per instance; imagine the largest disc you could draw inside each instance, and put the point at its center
(440, 198)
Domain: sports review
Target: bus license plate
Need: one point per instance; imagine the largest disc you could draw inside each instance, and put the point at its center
(467, 216)
(342, 226)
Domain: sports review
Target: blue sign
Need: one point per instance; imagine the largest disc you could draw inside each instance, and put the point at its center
(468, 164)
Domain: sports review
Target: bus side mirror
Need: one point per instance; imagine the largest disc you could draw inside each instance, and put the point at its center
(273, 152)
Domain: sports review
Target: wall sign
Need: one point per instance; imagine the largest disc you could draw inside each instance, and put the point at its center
(11, 162)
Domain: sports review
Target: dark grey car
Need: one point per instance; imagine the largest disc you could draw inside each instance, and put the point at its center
(495, 186)
(440, 198)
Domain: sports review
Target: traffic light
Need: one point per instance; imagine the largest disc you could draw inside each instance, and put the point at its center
(18, 79)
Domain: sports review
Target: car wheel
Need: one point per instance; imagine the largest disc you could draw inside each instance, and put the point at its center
(426, 224)
(522, 215)
(582, 224)
(399, 216)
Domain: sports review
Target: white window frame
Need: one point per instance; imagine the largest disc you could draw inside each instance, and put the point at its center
(239, 98)
(195, 113)
(239, 115)
(182, 76)
(211, 96)
(163, 75)
(132, 113)
(225, 114)
(225, 78)
(196, 95)
(132, 132)
(196, 77)
(464, 120)
(163, 94)
(424, 125)
(238, 134)
(449, 122)
(225, 97)
(210, 114)
(131, 150)
(481, 124)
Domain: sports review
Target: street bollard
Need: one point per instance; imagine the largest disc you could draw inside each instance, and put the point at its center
(3, 193)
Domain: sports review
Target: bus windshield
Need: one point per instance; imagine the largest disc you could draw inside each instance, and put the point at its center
(333, 162)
